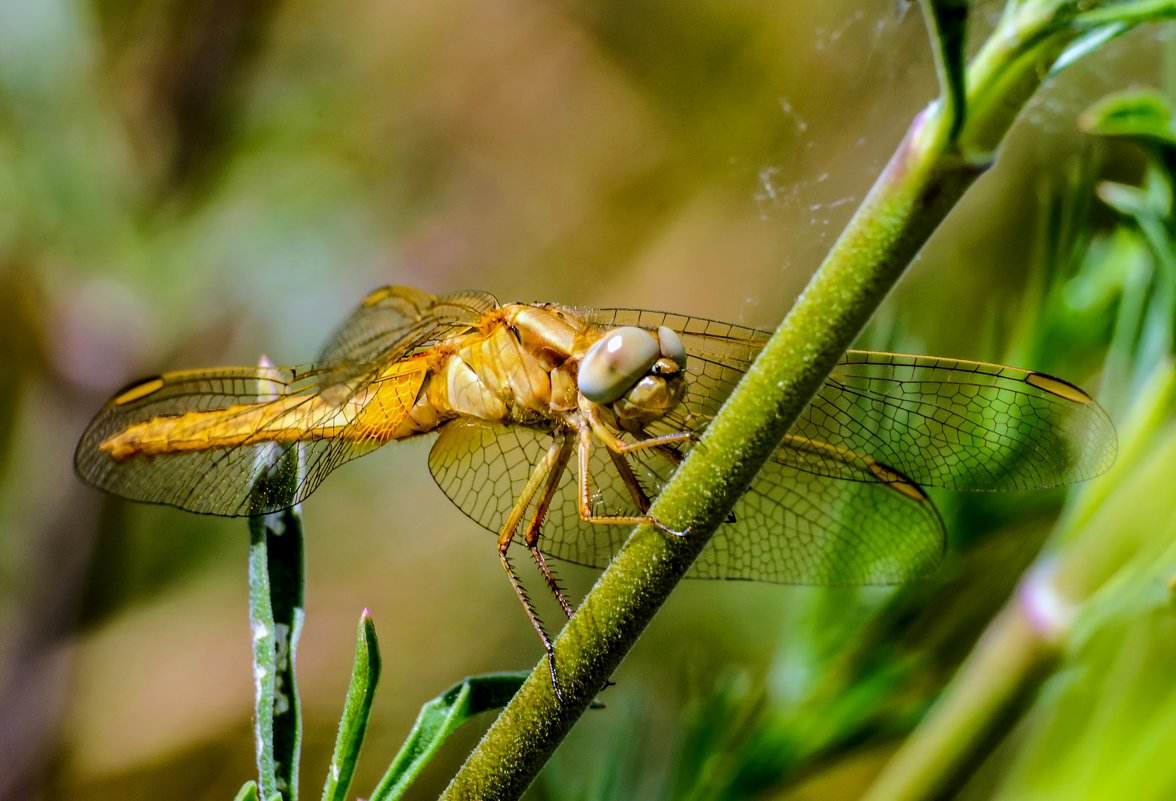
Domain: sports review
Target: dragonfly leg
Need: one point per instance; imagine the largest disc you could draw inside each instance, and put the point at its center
(541, 476)
(660, 441)
(535, 525)
(618, 445)
(540, 473)
(584, 454)
(552, 581)
(667, 451)
(533, 616)
(636, 492)
(673, 454)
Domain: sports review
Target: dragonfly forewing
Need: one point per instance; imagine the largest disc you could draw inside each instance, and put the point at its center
(962, 425)
(395, 321)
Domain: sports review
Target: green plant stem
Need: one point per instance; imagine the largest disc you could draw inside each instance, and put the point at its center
(922, 182)
(276, 611)
(1002, 669)
(276, 580)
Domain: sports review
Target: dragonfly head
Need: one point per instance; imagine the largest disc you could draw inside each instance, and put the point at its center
(638, 374)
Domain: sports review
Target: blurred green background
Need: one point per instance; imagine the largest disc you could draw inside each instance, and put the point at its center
(197, 183)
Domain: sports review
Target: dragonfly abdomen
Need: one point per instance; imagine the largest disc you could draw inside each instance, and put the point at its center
(381, 412)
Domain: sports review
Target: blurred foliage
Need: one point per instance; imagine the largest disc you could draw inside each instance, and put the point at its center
(189, 184)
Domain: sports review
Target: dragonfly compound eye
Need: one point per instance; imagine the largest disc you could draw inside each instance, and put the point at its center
(613, 365)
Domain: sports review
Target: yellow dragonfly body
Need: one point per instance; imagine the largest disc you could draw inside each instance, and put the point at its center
(516, 391)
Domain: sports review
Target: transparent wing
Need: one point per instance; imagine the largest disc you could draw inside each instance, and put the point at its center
(482, 468)
(960, 424)
(202, 439)
(798, 527)
(394, 320)
(793, 527)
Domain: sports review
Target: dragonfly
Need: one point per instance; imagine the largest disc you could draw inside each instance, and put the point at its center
(557, 426)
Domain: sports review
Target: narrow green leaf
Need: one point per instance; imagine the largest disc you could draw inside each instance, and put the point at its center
(1138, 113)
(365, 674)
(1099, 23)
(1128, 200)
(1122, 12)
(248, 792)
(1089, 42)
(275, 609)
(438, 719)
(947, 21)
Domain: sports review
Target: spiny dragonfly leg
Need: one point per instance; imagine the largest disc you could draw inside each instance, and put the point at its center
(618, 445)
(552, 581)
(584, 454)
(535, 525)
(660, 442)
(533, 616)
(540, 476)
(673, 454)
(669, 452)
(629, 478)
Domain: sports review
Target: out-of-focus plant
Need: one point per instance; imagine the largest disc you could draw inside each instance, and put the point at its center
(1091, 621)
